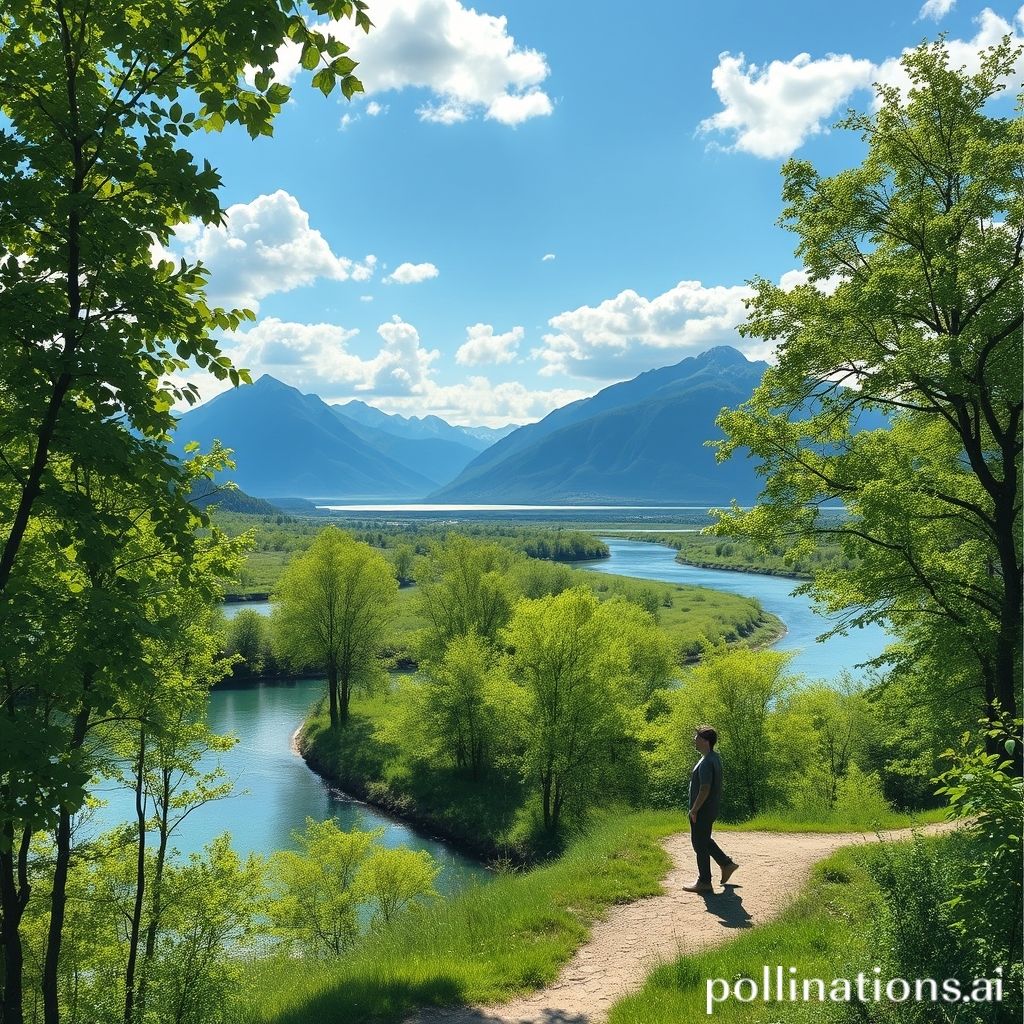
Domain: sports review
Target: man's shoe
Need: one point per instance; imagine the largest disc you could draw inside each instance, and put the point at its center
(727, 871)
(699, 887)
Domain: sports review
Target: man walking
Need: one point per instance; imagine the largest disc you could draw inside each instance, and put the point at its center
(705, 797)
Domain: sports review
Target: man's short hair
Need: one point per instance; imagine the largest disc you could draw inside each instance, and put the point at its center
(707, 732)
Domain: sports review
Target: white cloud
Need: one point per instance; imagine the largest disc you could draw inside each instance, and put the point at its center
(771, 111)
(482, 345)
(411, 273)
(628, 334)
(480, 402)
(373, 109)
(936, 9)
(402, 367)
(315, 357)
(465, 58)
(347, 120)
(966, 53)
(547, 257)
(265, 246)
(400, 377)
(366, 298)
(515, 109)
(793, 278)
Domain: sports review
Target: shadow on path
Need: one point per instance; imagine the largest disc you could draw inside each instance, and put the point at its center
(728, 907)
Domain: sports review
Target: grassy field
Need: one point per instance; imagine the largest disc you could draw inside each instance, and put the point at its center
(691, 614)
(492, 942)
(485, 944)
(791, 821)
(688, 615)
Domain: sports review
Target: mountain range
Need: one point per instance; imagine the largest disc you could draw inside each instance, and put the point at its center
(640, 441)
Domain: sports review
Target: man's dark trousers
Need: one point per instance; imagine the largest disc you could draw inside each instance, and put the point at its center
(705, 847)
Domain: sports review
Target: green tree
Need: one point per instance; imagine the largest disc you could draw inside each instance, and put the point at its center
(320, 889)
(332, 611)
(100, 611)
(247, 638)
(742, 693)
(464, 585)
(209, 922)
(404, 557)
(585, 667)
(96, 101)
(316, 899)
(912, 309)
(394, 880)
(840, 724)
(461, 703)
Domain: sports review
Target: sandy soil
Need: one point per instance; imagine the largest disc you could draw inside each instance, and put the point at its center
(635, 937)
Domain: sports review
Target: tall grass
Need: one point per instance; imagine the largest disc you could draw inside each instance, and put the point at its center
(485, 944)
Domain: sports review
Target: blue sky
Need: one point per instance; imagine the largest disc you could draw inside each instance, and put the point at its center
(537, 198)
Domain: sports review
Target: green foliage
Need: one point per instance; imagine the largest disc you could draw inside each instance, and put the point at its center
(206, 921)
(100, 535)
(248, 637)
(464, 587)
(586, 668)
(319, 889)
(790, 752)
(910, 320)
(394, 880)
(919, 933)
(404, 559)
(479, 946)
(988, 896)
(332, 609)
(465, 704)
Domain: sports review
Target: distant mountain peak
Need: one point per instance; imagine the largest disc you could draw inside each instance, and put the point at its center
(723, 355)
(265, 382)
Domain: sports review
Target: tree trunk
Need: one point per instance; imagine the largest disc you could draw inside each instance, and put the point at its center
(332, 693)
(140, 882)
(62, 861)
(156, 899)
(1008, 649)
(546, 791)
(14, 895)
(345, 695)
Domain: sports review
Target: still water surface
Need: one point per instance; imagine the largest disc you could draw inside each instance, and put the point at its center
(274, 790)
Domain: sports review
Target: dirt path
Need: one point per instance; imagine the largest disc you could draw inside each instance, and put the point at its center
(634, 937)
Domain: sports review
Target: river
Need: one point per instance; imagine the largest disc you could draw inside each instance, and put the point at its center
(275, 792)
(274, 789)
(803, 625)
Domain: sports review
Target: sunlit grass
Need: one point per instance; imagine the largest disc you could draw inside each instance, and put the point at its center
(487, 943)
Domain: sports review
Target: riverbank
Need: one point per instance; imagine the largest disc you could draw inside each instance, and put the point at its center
(697, 549)
(754, 570)
(449, 809)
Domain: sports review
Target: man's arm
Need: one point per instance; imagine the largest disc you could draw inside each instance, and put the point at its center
(702, 795)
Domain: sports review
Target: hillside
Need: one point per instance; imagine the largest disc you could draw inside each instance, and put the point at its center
(290, 444)
(638, 441)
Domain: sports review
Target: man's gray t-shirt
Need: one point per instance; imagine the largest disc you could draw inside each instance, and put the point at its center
(707, 772)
